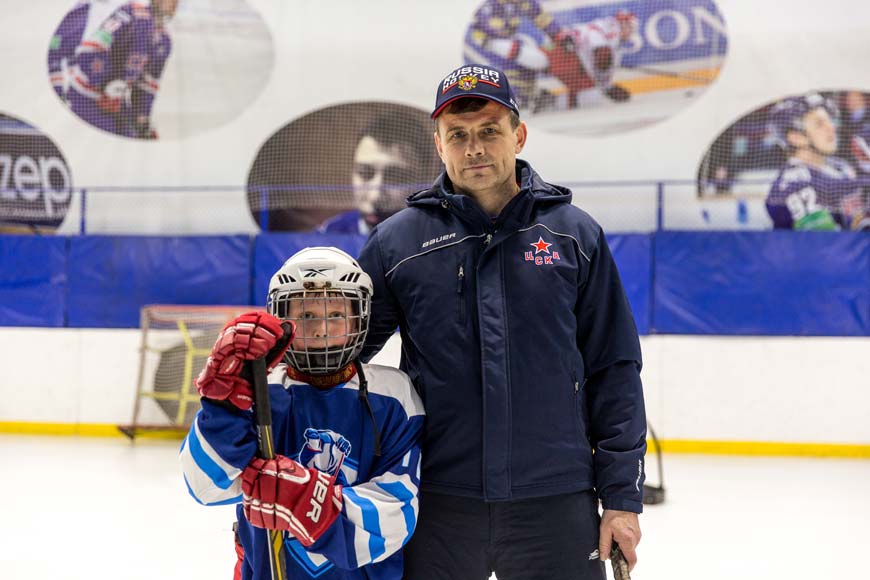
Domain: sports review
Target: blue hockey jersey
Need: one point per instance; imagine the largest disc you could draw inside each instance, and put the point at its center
(322, 429)
(123, 59)
(804, 197)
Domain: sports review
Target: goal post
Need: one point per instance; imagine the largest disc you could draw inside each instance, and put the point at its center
(175, 343)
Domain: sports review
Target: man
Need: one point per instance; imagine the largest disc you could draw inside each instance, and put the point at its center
(586, 56)
(518, 336)
(344, 483)
(391, 161)
(815, 190)
(116, 70)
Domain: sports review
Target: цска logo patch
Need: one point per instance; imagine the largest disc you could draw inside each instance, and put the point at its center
(541, 247)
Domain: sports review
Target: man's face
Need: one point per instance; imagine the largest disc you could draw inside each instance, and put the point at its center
(322, 321)
(819, 132)
(382, 177)
(167, 8)
(627, 27)
(479, 149)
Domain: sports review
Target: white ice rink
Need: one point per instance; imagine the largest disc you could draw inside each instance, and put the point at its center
(94, 509)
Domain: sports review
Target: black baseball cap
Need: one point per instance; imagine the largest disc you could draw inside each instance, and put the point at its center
(475, 80)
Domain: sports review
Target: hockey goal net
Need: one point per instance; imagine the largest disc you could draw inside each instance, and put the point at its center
(176, 341)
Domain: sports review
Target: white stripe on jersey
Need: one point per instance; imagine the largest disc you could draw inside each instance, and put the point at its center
(211, 479)
(390, 513)
(391, 382)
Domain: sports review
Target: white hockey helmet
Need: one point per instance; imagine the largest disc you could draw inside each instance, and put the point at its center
(328, 296)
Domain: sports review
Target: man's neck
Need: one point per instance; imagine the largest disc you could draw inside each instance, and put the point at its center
(811, 158)
(493, 200)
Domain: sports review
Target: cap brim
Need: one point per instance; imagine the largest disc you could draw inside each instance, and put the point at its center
(439, 110)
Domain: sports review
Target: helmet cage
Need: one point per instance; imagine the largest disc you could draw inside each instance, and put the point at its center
(318, 325)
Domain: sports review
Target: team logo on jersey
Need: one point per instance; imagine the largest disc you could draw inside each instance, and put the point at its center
(467, 82)
(325, 451)
(542, 247)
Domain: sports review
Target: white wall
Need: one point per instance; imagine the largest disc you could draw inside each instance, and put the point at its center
(394, 50)
(808, 390)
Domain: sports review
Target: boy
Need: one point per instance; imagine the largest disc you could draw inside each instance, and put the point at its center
(325, 421)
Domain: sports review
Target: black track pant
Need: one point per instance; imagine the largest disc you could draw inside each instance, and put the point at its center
(550, 538)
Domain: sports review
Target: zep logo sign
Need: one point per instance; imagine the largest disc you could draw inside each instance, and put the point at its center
(35, 181)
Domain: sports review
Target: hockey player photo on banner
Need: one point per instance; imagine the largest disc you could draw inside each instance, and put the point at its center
(592, 67)
(35, 180)
(799, 163)
(342, 169)
(159, 69)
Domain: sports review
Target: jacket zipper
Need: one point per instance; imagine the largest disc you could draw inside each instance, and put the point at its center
(460, 285)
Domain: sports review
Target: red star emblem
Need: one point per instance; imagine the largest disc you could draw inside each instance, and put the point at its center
(541, 246)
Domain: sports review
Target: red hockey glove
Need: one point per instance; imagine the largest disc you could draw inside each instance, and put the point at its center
(247, 337)
(281, 494)
(109, 104)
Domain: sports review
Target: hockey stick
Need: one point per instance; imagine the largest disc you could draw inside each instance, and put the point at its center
(267, 451)
(667, 73)
(619, 564)
(653, 494)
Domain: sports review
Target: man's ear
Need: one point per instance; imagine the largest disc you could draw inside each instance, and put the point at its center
(522, 133)
(438, 144)
(797, 139)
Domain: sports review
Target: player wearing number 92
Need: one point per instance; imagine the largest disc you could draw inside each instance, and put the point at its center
(814, 190)
(343, 485)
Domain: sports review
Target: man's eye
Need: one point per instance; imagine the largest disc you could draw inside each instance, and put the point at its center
(456, 135)
(365, 171)
(308, 315)
(337, 314)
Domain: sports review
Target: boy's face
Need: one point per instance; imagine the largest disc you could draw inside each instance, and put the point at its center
(322, 321)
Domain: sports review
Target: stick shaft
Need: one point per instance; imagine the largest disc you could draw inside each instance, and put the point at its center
(668, 73)
(263, 410)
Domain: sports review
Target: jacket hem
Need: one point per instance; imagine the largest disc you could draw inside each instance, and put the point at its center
(514, 494)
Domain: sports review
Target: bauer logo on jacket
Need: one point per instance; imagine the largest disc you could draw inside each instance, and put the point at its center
(541, 247)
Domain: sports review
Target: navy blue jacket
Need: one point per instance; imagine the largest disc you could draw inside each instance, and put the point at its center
(519, 338)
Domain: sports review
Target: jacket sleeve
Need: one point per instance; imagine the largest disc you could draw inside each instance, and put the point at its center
(380, 515)
(386, 314)
(608, 341)
(220, 443)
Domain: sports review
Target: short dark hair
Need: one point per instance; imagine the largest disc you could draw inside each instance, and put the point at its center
(396, 127)
(472, 105)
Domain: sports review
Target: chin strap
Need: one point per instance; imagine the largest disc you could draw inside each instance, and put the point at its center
(323, 381)
(363, 397)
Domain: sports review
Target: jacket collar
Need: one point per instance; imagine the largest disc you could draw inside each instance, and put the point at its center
(530, 181)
